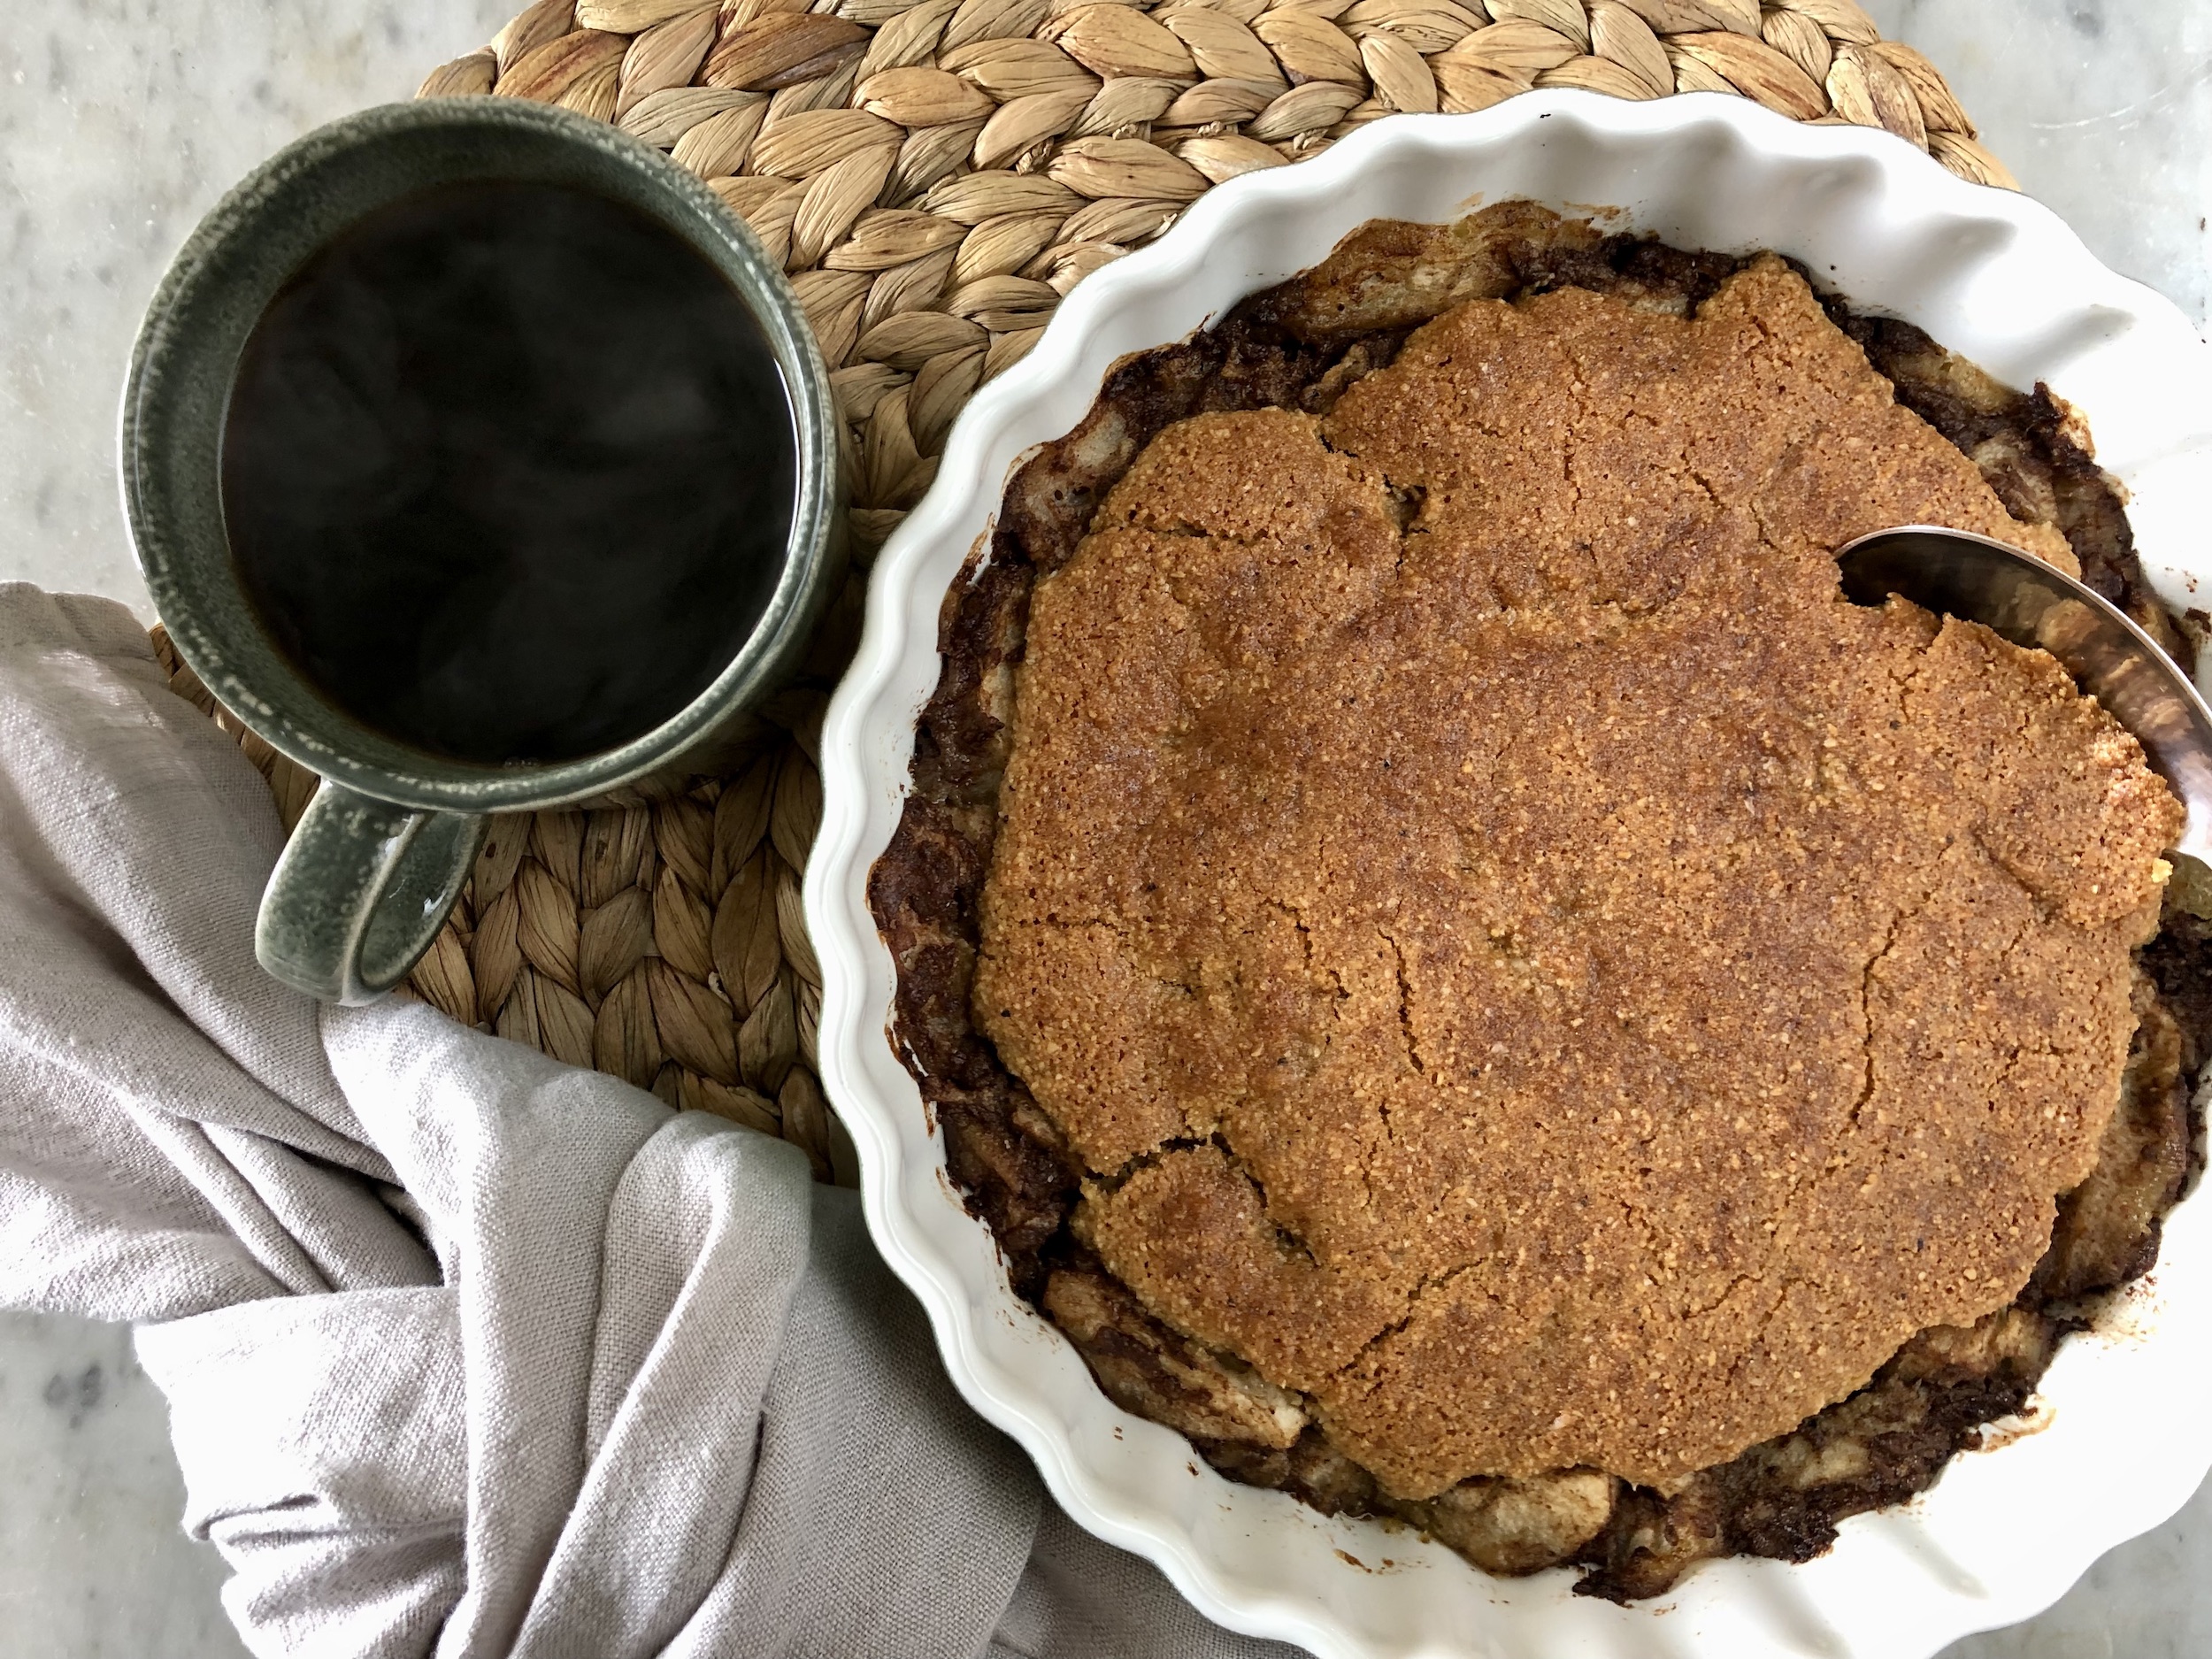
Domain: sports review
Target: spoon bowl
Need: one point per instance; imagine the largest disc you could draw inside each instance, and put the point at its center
(1955, 573)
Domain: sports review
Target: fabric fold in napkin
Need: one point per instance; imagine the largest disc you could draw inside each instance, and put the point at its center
(467, 1352)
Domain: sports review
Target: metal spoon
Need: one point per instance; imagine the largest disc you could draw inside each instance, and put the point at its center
(1955, 573)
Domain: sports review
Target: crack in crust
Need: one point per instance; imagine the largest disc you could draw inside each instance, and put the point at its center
(1301, 347)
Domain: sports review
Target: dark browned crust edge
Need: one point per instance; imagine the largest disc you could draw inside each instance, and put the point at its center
(1782, 1499)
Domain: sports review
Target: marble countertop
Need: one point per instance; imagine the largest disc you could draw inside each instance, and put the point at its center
(122, 120)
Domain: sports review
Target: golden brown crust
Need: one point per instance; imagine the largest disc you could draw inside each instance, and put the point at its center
(1143, 1366)
(1301, 348)
(1329, 855)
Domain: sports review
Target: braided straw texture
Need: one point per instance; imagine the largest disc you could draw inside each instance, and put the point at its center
(935, 174)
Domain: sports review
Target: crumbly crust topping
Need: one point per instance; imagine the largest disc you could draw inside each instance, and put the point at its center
(1299, 347)
(1518, 959)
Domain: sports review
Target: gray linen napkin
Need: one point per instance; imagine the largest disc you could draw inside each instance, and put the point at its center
(467, 1352)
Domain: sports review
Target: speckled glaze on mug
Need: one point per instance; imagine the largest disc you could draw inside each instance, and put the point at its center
(382, 853)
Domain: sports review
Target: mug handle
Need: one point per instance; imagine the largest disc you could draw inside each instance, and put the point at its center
(360, 892)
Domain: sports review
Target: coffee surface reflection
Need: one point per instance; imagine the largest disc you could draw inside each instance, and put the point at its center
(508, 472)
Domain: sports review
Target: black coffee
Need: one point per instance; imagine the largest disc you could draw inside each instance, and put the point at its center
(508, 472)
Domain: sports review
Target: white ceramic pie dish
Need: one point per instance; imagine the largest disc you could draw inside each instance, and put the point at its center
(2124, 1439)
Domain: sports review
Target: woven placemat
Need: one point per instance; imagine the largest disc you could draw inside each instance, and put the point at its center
(935, 176)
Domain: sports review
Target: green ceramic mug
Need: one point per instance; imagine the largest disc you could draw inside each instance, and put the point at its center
(382, 854)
